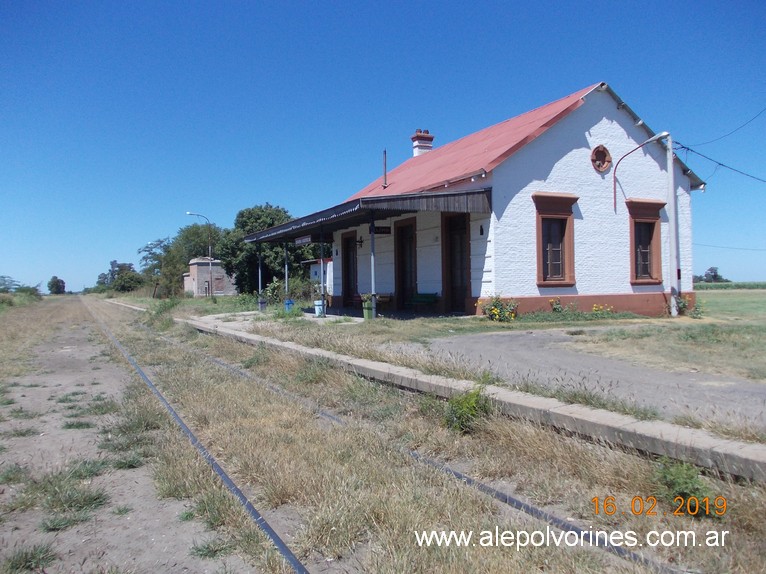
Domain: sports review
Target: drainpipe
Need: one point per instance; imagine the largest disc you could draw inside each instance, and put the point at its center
(675, 267)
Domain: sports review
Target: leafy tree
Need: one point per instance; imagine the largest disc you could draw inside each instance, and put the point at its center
(56, 286)
(127, 280)
(240, 258)
(164, 261)
(8, 284)
(712, 276)
(153, 263)
(120, 277)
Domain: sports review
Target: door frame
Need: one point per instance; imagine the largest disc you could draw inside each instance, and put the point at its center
(446, 303)
(346, 281)
(399, 302)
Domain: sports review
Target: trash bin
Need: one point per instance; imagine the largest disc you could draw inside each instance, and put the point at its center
(319, 308)
(261, 304)
(288, 305)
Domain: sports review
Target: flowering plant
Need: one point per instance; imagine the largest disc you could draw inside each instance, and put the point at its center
(603, 309)
(499, 310)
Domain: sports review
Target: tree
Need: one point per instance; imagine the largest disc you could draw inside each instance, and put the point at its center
(712, 276)
(240, 258)
(120, 277)
(8, 284)
(56, 286)
(152, 265)
(127, 280)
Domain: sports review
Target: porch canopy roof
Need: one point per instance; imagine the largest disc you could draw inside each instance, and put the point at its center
(355, 212)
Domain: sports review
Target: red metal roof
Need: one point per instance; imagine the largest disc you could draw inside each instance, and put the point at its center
(474, 154)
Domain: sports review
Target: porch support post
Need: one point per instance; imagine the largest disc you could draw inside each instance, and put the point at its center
(372, 266)
(321, 268)
(260, 270)
(287, 279)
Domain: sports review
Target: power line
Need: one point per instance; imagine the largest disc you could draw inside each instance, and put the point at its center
(682, 146)
(733, 131)
(733, 248)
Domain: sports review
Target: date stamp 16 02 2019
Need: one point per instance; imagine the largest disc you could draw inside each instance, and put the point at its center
(647, 506)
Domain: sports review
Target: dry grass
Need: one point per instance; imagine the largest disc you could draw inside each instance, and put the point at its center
(728, 340)
(25, 327)
(352, 495)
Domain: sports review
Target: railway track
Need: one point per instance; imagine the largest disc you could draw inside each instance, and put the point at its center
(561, 524)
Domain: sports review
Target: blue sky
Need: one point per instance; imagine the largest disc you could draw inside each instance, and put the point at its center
(118, 117)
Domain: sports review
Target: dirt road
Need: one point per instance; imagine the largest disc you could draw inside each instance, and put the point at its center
(70, 376)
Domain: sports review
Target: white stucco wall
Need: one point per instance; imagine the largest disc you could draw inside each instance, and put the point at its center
(428, 242)
(559, 162)
(504, 257)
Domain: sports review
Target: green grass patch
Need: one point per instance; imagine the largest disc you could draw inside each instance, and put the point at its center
(734, 305)
(747, 285)
(466, 409)
(129, 461)
(30, 559)
(21, 433)
(21, 414)
(212, 548)
(77, 425)
(59, 522)
(123, 510)
(88, 468)
(13, 474)
(101, 407)
(62, 492)
(72, 397)
(260, 357)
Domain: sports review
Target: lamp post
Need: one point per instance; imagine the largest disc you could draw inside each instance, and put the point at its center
(674, 259)
(209, 247)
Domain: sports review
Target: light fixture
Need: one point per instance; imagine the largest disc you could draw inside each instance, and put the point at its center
(614, 171)
(360, 241)
(209, 249)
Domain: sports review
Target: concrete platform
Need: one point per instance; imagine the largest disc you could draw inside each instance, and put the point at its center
(740, 459)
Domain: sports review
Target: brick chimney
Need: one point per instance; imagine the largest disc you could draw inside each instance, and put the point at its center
(422, 142)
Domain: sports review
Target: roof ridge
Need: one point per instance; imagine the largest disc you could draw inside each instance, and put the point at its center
(482, 150)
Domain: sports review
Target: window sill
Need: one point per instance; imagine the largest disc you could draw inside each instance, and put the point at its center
(646, 282)
(562, 283)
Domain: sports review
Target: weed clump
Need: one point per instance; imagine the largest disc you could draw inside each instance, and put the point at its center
(160, 317)
(34, 558)
(466, 409)
(680, 480)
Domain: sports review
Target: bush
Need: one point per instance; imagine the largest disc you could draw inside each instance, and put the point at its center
(465, 409)
(499, 310)
(299, 290)
(680, 479)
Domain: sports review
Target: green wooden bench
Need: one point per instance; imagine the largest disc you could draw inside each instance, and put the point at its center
(422, 300)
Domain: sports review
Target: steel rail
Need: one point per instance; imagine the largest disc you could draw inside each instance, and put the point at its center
(257, 517)
(500, 496)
